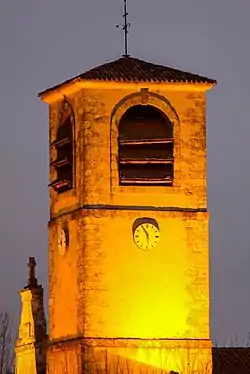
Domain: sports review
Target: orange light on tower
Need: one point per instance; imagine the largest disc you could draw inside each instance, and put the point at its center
(130, 287)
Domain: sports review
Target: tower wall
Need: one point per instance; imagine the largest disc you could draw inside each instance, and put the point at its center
(108, 298)
(123, 291)
(96, 144)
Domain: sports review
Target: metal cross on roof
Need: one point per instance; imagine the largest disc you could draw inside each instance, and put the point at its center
(32, 281)
(125, 26)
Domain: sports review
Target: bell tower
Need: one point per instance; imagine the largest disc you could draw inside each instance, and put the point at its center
(128, 230)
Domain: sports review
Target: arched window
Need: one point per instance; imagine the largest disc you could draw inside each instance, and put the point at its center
(145, 147)
(64, 150)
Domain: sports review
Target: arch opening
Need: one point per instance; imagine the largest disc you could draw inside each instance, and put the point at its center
(63, 144)
(145, 147)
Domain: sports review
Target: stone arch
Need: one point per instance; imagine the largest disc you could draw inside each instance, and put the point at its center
(66, 110)
(144, 97)
(63, 161)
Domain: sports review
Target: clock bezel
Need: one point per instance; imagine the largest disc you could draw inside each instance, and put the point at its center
(63, 247)
(142, 221)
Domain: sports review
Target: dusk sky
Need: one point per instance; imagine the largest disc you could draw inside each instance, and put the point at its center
(45, 42)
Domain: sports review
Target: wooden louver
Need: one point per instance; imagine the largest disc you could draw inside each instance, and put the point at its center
(145, 147)
(63, 164)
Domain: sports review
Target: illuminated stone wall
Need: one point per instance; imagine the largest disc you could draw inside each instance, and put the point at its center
(96, 148)
(106, 287)
(129, 356)
(124, 291)
(30, 346)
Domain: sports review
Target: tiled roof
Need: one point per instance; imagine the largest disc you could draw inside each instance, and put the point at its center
(129, 69)
(231, 360)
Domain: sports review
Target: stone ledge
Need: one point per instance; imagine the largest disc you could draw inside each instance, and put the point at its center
(131, 343)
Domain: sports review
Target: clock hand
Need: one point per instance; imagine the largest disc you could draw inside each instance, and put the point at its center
(145, 232)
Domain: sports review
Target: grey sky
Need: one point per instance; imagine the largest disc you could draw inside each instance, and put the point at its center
(45, 42)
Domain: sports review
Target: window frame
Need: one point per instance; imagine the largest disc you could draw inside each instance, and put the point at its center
(54, 151)
(143, 97)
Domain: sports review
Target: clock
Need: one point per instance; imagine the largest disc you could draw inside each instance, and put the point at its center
(62, 241)
(146, 236)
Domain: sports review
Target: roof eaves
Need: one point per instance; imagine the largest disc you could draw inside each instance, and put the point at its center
(199, 80)
(58, 86)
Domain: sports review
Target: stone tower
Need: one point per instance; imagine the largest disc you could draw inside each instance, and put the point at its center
(128, 248)
(30, 346)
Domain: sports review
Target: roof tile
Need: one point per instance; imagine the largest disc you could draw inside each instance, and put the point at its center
(129, 69)
(231, 360)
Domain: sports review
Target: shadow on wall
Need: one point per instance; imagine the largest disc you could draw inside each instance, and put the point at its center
(127, 360)
(112, 363)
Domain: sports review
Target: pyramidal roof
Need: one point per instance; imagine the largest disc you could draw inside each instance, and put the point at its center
(130, 69)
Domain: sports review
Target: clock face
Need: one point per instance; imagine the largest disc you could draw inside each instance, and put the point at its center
(146, 236)
(62, 241)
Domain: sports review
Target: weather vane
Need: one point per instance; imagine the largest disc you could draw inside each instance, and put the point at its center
(125, 26)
